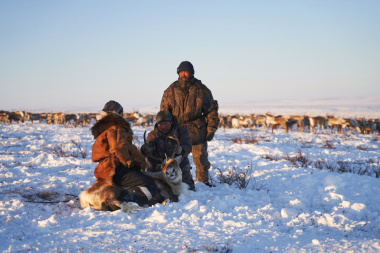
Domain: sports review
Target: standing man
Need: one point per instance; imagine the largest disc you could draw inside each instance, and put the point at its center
(191, 102)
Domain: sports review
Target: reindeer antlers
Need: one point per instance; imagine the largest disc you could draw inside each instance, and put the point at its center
(150, 155)
(177, 141)
(166, 157)
(175, 151)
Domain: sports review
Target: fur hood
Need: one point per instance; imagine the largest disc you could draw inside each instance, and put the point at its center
(111, 119)
(173, 130)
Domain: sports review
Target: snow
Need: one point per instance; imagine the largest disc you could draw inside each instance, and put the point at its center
(287, 207)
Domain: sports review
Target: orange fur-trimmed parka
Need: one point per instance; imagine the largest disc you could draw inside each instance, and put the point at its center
(113, 147)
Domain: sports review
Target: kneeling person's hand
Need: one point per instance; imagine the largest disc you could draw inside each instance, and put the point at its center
(146, 149)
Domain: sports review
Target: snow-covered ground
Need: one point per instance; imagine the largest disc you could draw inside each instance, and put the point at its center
(289, 205)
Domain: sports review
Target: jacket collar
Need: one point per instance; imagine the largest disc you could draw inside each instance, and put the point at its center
(187, 83)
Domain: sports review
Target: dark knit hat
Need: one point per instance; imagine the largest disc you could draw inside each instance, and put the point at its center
(113, 106)
(163, 116)
(185, 66)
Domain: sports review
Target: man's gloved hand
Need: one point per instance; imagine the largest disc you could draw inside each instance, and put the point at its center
(210, 136)
(146, 149)
(210, 133)
(179, 150)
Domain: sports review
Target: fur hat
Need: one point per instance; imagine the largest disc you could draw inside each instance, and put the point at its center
(185, 66)
(163, 116)
(113, 106)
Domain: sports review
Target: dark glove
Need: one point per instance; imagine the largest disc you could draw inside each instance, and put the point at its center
(146, 149)
(210, 136)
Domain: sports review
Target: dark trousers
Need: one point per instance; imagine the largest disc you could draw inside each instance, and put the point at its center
(202, 164)
(132, 180)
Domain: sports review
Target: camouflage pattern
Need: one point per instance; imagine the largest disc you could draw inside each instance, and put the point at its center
(200, 158)
(193, 106)
(165, 145)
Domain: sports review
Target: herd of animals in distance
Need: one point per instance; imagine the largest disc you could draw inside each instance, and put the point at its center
(312, 124)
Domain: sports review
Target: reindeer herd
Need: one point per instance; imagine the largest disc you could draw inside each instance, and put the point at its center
(81, 119)
(312, 124)
(7, 117)
(301, 123)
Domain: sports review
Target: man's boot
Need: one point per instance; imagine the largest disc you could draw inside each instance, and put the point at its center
(188, 179)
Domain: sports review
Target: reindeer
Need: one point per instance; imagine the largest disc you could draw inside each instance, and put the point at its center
(295, 120)
(22, 115)
(101, 196)
(144, 119)
(353, 125)
(377, 123)
(169, 181)
(130, 117)
(93, 116)
(261, 121)
(169, 189)
(305, 123)
(33, 116)
(50, 118)
(4, 118)
(44, 116)
(339, 123)
(59, 118)
(318, 121)
(105, 197)
(84, 119)
(224, 121)
(16, 116)
(367, 126)
(70, 117)
(247, 121)
(235, 121)
(278, 121)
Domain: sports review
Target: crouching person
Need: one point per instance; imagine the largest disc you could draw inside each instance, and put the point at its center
(169, 140)
(118, 172)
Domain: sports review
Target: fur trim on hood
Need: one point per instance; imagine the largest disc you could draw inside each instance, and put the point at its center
(111, 119)
(175, 126)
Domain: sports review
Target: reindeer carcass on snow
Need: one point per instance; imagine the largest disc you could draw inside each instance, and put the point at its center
(102, 196)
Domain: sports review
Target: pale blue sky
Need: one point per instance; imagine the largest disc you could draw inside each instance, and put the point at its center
(64, 55)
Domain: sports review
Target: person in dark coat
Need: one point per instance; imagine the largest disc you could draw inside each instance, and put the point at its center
(192, 103)
(168, 139)
(119, 161)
